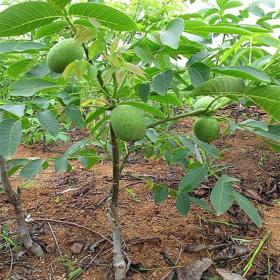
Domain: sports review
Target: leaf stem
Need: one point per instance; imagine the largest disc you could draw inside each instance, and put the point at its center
(177, 117)
(255, 253)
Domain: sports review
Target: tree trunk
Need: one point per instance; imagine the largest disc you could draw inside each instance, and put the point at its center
(14, 199)
(119, 263)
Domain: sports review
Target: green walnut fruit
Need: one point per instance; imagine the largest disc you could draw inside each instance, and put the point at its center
(128, 123)
(63, 53)
(203, 102)
(206, 129)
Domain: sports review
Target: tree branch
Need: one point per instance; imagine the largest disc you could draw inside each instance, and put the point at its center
(177, 117)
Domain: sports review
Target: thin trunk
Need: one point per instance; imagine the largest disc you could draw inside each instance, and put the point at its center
(14, 199)
(118, 259)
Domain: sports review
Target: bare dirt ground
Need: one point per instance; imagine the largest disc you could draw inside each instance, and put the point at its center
(69, 213)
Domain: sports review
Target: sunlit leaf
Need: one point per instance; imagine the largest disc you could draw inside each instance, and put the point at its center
(51, 28)
(19, 67)
(21, 47)
(59, 3)
(146, 107)
(220, 85)
(24, 17)
(267, 98)
(17, 110)
(105, 15)
(244, 72)
(171, 36)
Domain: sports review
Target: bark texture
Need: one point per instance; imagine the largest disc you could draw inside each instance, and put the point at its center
(14, 199)
(120, 266)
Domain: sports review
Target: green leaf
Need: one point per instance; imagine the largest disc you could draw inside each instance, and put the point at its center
(162, 82)
(21, 47)
(17, 110)
(76, 147)
(255, 28)
(98, 124)
(24, 17)
(228, 4)
(75, 274)
(15, 165)
(272, 133)
(75, 116)
(199, 73)
(220, 29)
(201, 203)
(183, 203)
(50, 29)
(267, 98)
(144, 53)
(254, 125)
(28, 87)
(207, 148)
(147, 108)
(169, 98)
(19, 67)
(163, 62)
(193, 179)
(197, 57)
(222, 85)
(248, 208)
(160, 193)
(96, 48)
(171, 36)
(30, 170)
(244, 72)
(92, 115)
(48, 122)
(67, 99)
(193, 26)
(88, 157)
(59, 3)
(179, 155)
(89, 160)
(39, 71)
(185, 50)
(105, 15)
(11, 132)
(273, 146)
(256, 10)
(61, 164)
(222, 195)
(144, 92)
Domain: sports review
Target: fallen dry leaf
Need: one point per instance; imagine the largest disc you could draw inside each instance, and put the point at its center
(195, 247)
(232, 252)
(229, 275)
(194, 270)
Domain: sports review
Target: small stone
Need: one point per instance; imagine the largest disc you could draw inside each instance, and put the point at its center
(76, 248)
